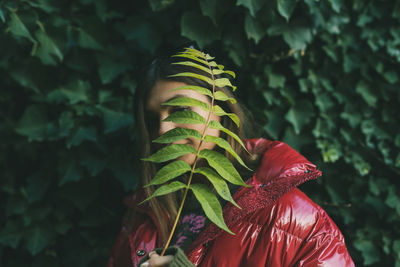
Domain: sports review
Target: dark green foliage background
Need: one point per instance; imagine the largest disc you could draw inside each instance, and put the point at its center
(321, 75)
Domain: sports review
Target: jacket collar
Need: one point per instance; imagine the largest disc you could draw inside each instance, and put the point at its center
(282, 168)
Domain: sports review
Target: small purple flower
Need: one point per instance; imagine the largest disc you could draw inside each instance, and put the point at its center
(192, 223)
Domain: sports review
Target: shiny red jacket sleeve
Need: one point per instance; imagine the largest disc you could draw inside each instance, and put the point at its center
(320, 242)
(328, 251)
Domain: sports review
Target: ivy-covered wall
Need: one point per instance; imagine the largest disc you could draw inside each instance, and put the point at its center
(322, 76)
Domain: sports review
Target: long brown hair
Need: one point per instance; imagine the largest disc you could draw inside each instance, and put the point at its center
(165, 207)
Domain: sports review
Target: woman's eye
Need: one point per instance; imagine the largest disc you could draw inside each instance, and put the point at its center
(179, 108)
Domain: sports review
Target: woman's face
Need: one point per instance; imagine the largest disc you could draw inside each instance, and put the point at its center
(161, 93)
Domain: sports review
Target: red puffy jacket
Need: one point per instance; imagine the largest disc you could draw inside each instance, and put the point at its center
(278, 225)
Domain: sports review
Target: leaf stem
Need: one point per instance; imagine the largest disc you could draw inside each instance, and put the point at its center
(193, 167)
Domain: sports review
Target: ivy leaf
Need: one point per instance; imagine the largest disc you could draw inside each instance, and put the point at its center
(198, 28)
(225, 145)
(142, 32)
(217, 110)
(275, 123)
(219, 184)
(10, 235)
(3, 19)
(253, 29)
(275, 80)
(74, 92)
(83, 133)
(300, 114)
(252, 5)
(368, 250)
(198, 89)
(166, 189)
(115, 120)
(66, 123)
(169, 172)
(15, 205)
(209, 9)
(36, 240)
(47, 49)
(170, 152)
(33, 123)
(222, 165)
(22, 77)
(217, 125)
(221, 96)
(36, 187)
(17, 27)
(210, 205)
(295, 34)
(365, 91)
(187, 102)
(186, 117)
(87, 41)
(71, 172)
(177, 134)
(336, 5)
(110, 68)
(286, 7)
(158, 5)
(295, 140)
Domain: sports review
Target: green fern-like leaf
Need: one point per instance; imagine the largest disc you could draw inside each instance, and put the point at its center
(198, 89)
(219, 184)
(186, 116)
(177, 134)
(187, 102)
(170, 152)
(199, 66)
(169, 172)
(222, 165)
(210, 205)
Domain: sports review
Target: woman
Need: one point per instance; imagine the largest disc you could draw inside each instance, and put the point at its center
(277, 224)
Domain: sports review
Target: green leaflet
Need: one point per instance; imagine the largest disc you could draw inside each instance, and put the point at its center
(186, 116)
(194, 75)
(217, 125)
(170, 152)
(188, 102)
(210, 205)
(286, 7)
(219, 184)
(177, 134)
(198, 89)
(192, 64)
(207, 70)
(166, 189)
(196, 52)
(220, 112)
(223, 82)
(221, 71)
(169, 172)
(225, 145)
(222, 165)
(221, 96)
(186, 55)
(18, 28)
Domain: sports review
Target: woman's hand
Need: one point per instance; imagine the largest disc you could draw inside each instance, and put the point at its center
(157, 260)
